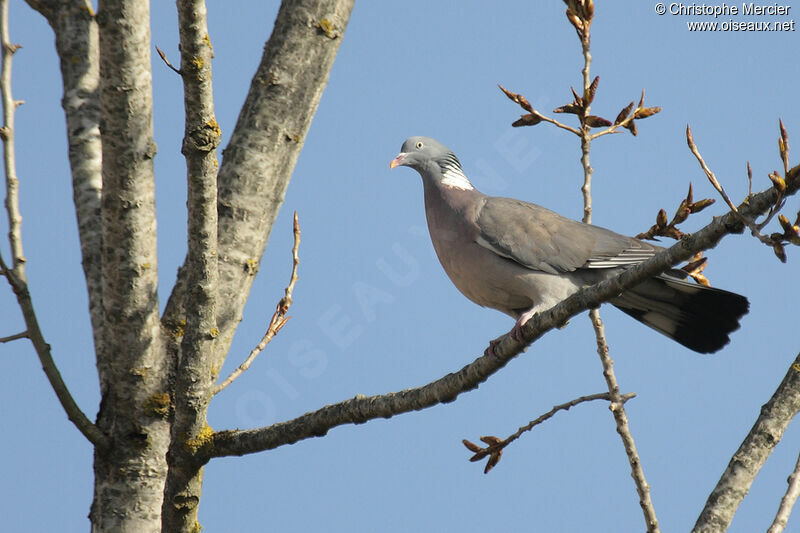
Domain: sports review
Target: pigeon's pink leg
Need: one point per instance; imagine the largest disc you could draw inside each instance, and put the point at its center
(516, 332)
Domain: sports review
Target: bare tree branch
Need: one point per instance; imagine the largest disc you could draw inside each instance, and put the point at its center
(166, 62)
(16, 336)
(757, 446)
(582, 21)
(788, 501)
(134, 354)
(715, 183)
(580, 14)
(617, 408)
(75, 28)
(533, 117)
(263, 149)
(9, 157)
(92, 433)
(496, 446)
(501, 350)
(15, 274)
(195, 373)
(278, 319)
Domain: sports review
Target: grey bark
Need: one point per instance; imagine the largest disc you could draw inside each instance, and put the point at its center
(263, 148)
(129, 476)
(195, 375)
(15, 274)
(75, 30)
(138, 379)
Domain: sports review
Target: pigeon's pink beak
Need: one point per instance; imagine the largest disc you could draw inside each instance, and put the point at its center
(397, 161)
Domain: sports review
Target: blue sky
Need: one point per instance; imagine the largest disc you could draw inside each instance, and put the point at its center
(374, 312)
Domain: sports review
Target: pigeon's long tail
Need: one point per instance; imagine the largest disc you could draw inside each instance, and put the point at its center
(700, 318)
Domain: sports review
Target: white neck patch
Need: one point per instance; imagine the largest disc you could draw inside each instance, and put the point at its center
(454, 177)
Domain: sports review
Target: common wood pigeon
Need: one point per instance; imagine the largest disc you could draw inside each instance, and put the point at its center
(520, 258)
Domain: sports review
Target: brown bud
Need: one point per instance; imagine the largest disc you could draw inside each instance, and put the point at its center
(493, 460)
(572, 108)
(624, 113)
(597, 122)
(777, 181)
(641, 100)
(661, 218)
(531, 119)
(646, 112)
(701, 204)
(517, 98)
(682, 213)
(578, 99)
(689, 195)
(491, 440)
(785, 224)
(689, 136)
(575, 21)
(588, 95)
(588, 8)
(779, 252)
(793, 234)
(784, 135)
(478, 456)
(471, 446)
(631, 127)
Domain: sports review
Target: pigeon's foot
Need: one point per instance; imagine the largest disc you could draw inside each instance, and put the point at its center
(516, 332)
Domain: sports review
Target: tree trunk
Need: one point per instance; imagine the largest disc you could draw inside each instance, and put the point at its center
(130, 474)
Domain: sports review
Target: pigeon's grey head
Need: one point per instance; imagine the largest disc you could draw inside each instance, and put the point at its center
(433, 160)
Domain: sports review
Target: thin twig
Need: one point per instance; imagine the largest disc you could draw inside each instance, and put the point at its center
(776, 241)
(623, 428)
(22, 335)
(163, 56)
(34, 333)
(279, 317)
(495, 447)
(564, 407)
(576, 131)
(9, 157)
(710, 175)
(534, 115)
(715, 183)
(15, 274)
(614, 128)
(788, 501)
(617, 404)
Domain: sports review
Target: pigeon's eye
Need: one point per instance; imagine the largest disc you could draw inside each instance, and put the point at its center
(419, 145)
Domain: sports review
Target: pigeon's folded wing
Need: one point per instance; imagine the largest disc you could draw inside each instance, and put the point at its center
(542, 240)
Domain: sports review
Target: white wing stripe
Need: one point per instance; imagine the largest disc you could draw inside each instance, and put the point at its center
(626, 257)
